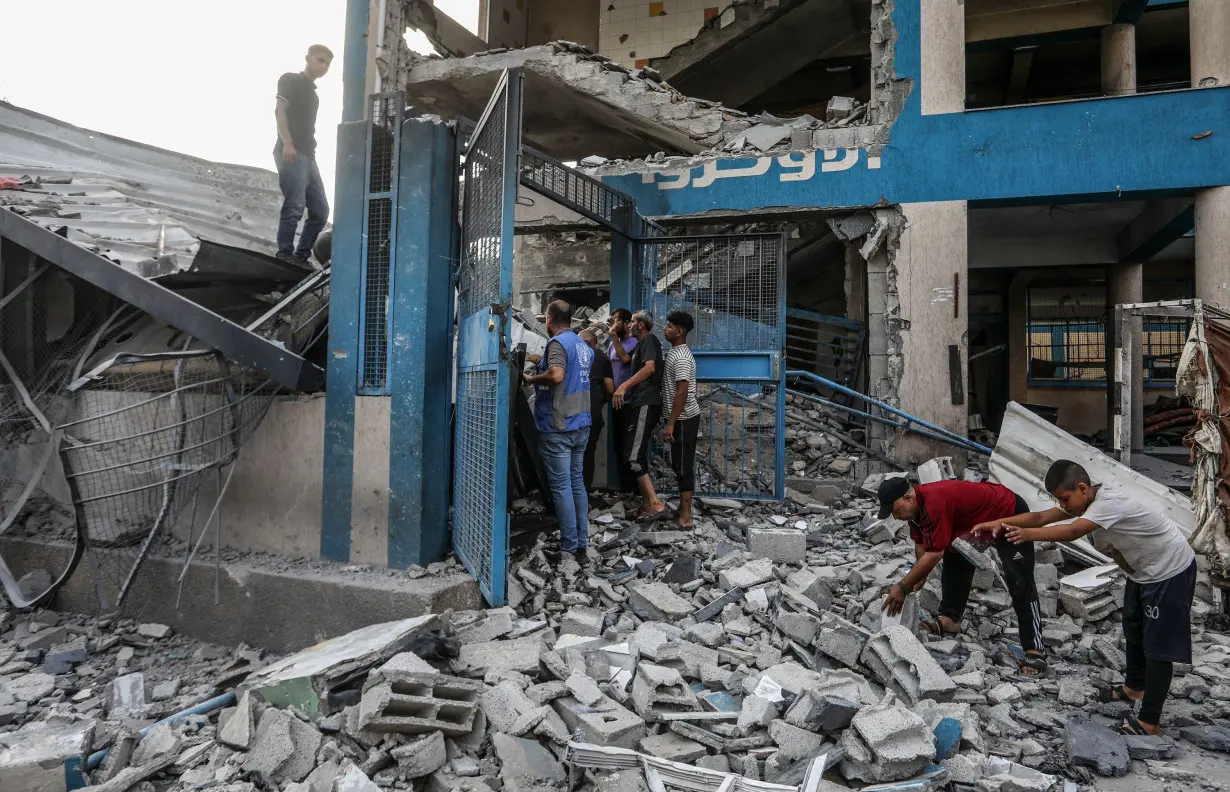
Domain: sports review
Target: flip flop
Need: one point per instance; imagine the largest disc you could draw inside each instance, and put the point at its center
(1032, 662)
(652, 516)
(1132, 728)
(1108, 694)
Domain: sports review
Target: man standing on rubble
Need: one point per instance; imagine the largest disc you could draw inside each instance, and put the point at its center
(619, 353)
(562, 418)
(943, 511)
(681, 410)
(295, 155)
(1161, 570)
(601, 386)
(640, 400)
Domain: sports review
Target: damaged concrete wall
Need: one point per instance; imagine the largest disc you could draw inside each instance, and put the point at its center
(567, 20)
(932, 281)
(544, 262)
(506, 23)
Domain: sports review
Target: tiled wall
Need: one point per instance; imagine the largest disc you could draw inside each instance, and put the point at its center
(631, 32)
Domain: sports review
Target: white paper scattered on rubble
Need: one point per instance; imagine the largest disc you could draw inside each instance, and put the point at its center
(769, 690)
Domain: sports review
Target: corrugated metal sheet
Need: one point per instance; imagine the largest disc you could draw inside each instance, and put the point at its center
(129, 201)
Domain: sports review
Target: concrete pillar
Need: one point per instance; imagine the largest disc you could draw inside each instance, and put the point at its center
(1125, 284)
(943, 56)
(1018, 336)
(1209, 26)
(932, 286)
(1119, 60)
(1213, 246)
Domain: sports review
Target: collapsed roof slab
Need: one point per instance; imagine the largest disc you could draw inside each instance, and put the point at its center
(576, 103)
(753, 46)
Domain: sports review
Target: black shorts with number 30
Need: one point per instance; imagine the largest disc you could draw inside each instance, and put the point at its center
(1158, 616)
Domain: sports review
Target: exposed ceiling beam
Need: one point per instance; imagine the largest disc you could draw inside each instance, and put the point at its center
(1159, 224)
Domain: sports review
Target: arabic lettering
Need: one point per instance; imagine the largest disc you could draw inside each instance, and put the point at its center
(795, 166)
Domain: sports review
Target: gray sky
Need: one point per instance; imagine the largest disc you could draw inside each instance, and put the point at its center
(197, 80)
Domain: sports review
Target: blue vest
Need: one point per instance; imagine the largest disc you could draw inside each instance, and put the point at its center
(565, 407)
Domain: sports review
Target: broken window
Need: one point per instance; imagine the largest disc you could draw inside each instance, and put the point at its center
(1066, 331)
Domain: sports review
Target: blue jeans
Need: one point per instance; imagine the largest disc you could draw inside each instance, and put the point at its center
(563, 455)
(301, 188)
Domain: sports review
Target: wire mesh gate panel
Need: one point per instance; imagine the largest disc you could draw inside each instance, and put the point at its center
(734, 288)
(484, 295)
(379, 241)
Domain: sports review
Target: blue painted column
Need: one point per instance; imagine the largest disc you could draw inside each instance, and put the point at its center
(623, 295)
(345, 290)
(342, 368)
(421, 349)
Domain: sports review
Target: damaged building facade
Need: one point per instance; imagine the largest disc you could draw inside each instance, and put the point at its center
(949, 174)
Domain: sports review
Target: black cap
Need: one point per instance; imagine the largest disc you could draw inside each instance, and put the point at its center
(890, 490)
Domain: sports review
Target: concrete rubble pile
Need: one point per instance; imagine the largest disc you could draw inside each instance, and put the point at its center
(752, 645)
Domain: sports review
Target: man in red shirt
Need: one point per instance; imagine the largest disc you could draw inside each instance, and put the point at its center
(943, 511)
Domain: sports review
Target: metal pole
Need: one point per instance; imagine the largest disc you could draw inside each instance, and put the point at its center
(354, 60)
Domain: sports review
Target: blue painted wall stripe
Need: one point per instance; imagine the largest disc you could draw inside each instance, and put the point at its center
(342, 368)
(1058, 151)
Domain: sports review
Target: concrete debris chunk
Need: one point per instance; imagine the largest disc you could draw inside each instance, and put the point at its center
(237, 732)
(658, 689)
(521, 655)
(673, 747)
(583, 621)
(750, 574)
(411, 702)
(34, 758)
(900, 662)
(159, 741)
(841, 640)
(656, 602)
(128, 694)
(421, 757)
(1150, 747)
(525, 765)
(1091, 745)
(884, 743)
(155, 631)
(1210, 737)
(606, 723)
(353, 779)
(30, 688)
(780, 545)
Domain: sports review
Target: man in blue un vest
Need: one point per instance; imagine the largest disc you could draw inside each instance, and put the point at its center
(561, 415)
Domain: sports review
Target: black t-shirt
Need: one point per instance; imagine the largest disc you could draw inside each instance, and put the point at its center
(299, 91)
(649, 392)
(597, 389)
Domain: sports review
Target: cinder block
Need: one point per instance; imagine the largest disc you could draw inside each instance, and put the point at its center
(780, 545)
(607, 723)
(418, 703)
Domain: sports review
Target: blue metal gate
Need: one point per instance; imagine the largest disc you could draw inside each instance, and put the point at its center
(484, 294)
(735, 288)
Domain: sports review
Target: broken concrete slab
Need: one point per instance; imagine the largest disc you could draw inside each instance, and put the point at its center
(29, 688)
(900, 662)
(158, 742)
(586, 622)
(656, 602)
(61, 658)
(753, 573)
(673, 747)
(421, 757)
(884, 743)
(284, 749)
(603, 107)
(303, 679)
(606, 723)
(1091, 745)
(841, 640)
(780, 545)
(44, 756)
(658, 689)
(823, 713)
(795, 743)
(525, 765)
(128, 694)
(1148, 746)
(499, 657)
(353, 779)
(1210, 737)
(155, 631)
(237, 733)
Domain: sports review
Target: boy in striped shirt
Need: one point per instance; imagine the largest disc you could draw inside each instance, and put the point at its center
(681, 410)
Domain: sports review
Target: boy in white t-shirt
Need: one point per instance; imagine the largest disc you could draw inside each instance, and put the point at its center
(1161, 570)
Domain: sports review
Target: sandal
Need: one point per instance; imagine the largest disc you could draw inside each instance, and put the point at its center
(1032, 662)
(1108, 694)
(936, 627)
(649, 516)
(1132, 728)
